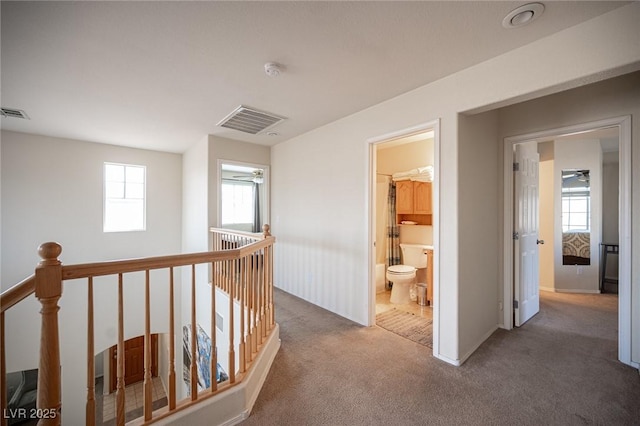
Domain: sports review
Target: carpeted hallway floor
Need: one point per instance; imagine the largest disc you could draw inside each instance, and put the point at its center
(558, 369)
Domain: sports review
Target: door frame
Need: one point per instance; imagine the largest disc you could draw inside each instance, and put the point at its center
(371, 219)
(113, 362)
(623, 124)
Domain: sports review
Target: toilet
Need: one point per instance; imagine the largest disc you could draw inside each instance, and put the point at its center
(414, 257)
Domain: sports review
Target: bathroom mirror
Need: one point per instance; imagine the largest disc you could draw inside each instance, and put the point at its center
(576, 203)
(243, 196)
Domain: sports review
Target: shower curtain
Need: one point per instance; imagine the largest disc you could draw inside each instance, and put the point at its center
(393, 232)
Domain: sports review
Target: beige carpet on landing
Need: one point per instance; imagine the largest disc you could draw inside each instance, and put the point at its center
(560, 368)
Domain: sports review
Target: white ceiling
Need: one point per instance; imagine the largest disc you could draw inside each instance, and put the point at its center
(160, 75)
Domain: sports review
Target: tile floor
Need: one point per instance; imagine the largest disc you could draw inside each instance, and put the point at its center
(134, 398)
(383, 304)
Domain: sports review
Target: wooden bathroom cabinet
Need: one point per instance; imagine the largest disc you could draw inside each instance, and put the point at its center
(413, 202)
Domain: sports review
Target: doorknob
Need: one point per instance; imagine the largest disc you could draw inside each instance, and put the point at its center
(539, 241)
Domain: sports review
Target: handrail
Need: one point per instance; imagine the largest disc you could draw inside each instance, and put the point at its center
(18, 292)
(86, 270)
(258, 235)
(241, 267)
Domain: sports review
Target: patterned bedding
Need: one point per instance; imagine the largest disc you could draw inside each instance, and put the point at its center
(576, 244)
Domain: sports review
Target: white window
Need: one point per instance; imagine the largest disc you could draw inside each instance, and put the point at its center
(238, 204)
(124, 197)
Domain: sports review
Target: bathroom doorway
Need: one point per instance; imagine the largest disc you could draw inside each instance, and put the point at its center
(408, 156)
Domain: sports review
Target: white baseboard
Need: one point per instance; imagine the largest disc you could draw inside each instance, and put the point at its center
(569, 290)
(453, 362)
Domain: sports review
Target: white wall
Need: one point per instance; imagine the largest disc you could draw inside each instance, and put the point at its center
(321, 220)
(578, 154)
(478, 171)
(547, 214)
(52, 191)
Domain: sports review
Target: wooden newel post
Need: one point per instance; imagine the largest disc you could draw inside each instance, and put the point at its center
(266, 230)
(48, 291)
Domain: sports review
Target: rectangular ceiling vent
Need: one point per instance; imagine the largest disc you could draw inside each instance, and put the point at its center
(249, 120)
(15, 113)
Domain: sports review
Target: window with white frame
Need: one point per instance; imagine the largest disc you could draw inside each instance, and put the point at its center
(124, 197)
(238, 205)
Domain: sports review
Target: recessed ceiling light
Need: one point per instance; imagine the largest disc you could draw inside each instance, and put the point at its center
(523, 15)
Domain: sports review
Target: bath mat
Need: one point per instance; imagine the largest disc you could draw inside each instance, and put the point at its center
(407, 325)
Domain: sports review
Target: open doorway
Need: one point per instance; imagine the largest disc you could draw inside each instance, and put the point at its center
(576, 265)
(244, 196)
(403, 232)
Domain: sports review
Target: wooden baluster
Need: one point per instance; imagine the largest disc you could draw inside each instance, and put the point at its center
(91, 387)
(120, 393)
(172, 346)
(272, 299)
(48, 291)
(267, 292)
(254, 298)
(260, 312)
(242, 349)
(194, 359)
(230, 327)
(3, 371)
(213, 367)
(147, 384)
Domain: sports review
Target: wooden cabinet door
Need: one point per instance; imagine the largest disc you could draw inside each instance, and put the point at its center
(404, 197)
(422, 197)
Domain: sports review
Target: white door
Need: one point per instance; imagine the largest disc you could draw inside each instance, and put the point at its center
(526, 298)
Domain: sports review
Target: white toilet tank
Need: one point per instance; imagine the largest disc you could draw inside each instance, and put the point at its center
(414, 255)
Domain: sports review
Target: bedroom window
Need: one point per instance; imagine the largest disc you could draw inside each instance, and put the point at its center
(124, 197)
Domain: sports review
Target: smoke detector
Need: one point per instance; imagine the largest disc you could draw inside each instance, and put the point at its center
(523, 15)
(272, 69)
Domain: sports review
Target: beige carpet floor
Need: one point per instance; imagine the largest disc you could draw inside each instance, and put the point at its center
(560, 368)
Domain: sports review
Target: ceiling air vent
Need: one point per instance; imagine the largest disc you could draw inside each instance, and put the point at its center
(15, 113)
(249, 120)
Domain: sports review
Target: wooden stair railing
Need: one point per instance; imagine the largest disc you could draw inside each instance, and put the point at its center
(241, 266)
